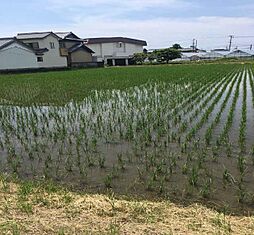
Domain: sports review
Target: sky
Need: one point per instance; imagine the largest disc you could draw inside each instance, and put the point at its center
(160, 22)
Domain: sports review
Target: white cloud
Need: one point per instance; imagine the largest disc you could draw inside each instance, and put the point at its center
(159, 32)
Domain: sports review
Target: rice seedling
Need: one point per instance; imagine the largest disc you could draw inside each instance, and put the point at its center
(193, 176)
(206, 188)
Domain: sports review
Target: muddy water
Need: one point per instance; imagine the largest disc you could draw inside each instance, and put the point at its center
(212, 116)
(191, 118)
(235, 128)
(219, 127)
(250, 115)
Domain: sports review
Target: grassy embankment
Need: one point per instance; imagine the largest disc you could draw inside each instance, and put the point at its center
(27, 208)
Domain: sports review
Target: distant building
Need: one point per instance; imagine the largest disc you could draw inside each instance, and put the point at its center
(217, 54)
(16, 55)
(115, 50)
(193, 56)
(212, 55)
(240, 54)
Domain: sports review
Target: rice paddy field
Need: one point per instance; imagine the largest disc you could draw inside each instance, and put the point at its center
(182, 133)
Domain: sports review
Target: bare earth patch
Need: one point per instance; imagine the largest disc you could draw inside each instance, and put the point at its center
(26, 209)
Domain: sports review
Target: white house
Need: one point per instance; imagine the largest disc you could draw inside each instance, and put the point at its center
(16, 55)
(46, 46)
(115, 50)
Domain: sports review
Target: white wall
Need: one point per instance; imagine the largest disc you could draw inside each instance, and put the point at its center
(52, 58)
(105, 50)
(16, 57)
(238, 54)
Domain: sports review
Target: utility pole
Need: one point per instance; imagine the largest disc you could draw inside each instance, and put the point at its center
(193, 44)
(230, 41)
(196, 47)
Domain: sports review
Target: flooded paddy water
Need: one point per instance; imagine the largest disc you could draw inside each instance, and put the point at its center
(183, 141)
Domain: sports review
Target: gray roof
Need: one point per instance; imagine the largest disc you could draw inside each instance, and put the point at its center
(68, 36)
(251, 52)
(79, 46)
(62, 34)
(115, 39)
(34, 35)
(4, 41)
(239, 52)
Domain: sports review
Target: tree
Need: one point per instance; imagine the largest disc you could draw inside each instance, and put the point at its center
(176, 46)
(139, 58)
(151, 56)
(165, 55)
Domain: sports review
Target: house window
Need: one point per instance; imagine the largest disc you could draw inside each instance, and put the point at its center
(52, 45)
(40, 59)
(34, 45)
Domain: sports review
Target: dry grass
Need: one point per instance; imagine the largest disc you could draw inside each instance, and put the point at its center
(26, 209)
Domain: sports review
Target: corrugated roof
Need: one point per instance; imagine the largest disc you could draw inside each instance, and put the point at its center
(115, 39)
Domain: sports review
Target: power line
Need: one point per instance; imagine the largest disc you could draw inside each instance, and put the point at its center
(244, 36)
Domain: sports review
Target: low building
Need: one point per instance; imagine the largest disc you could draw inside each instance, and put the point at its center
(212, 55)
(193, 56)
(239, 54)
(73, 47)
(46, 45)
(14, 54)
(115, 50)
(249, 51)
(182, 59)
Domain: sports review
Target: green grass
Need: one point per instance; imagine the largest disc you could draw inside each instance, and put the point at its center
(61, 87)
